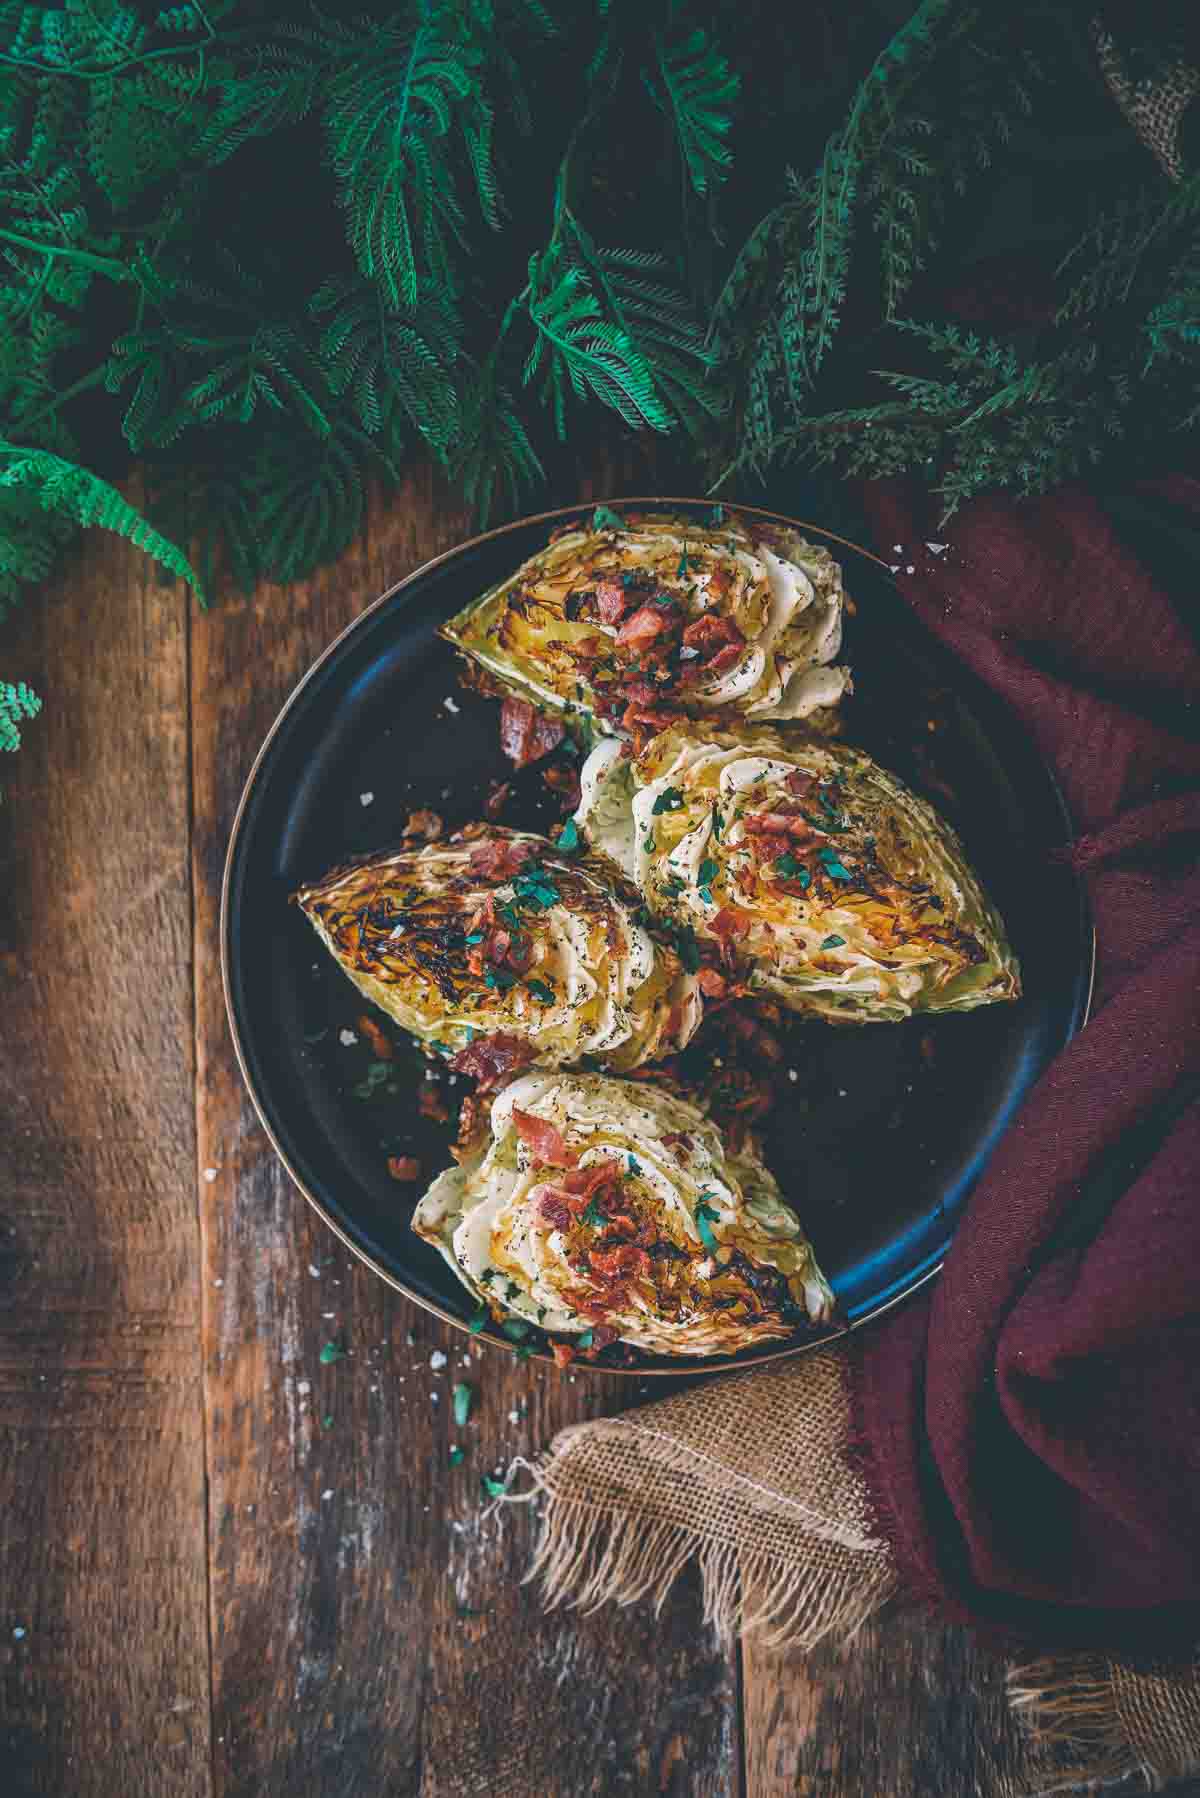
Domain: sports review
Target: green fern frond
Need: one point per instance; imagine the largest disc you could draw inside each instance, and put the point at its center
(306, 497)
(18, 703)
(373, 353)
(391, 118)
(493, 455)
(1144, 226)
(699, 89)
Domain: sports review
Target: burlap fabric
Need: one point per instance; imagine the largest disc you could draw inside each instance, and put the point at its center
(753, 1478)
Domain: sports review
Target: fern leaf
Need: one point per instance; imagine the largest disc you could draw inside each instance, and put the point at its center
(376, 354)
(700, 89)
(18, 703)
(493, 455)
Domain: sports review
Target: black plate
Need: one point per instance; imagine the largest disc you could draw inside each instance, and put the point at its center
(888, 1126)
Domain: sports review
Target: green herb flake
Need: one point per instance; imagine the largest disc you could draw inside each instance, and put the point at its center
(327, 1421)
(718, 823)
(833, 866)
(585, 1339)
(461, 1395)
(593, 1216)
(499, 979)
(525, 1351)
(683, 566)
(605, 519)
(493, 1487)
(476, 936)
(540, 991)
(515, 1328)
(671, 800)
(716, 516)
(648, 844)
(706, 895)
(705, 1217)
(833, 942)
(635, 1166)
(457, 1456)
(332, 1351)
(708, 871)
(674, 886)
(377, 1075)
(568, 837)
(478, 1320)
(688, 949)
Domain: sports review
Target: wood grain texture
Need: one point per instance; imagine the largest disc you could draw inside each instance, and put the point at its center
(102, 1532)
(370, 1634)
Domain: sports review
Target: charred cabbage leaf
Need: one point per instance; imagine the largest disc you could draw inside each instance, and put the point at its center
(813, 870)
(654, 617)
(612, 1209)
(496, 939)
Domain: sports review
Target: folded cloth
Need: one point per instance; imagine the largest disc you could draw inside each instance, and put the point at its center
(1021, 1448)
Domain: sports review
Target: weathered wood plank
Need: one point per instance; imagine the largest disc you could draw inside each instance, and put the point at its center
(369, 1632)
(104, 1680)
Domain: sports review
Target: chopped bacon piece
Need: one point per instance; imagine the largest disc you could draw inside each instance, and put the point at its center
(525, 736)
(582, 1182)
(647, 623)
(564, 781)
(730, 924)
(382, 1046)
(644, 722)
(602, 1335)
(678, 1139)
(709, 633)
(470, 1126)
(620, 1262)
(799, 783)
(497, 798)
(563, 1352)
(427, 825)
(404, 1167)
(712, 984)
(778, 824)
(492, 1058)
(519, 950)
(723, 660)
(431, 1104)
(499, 858)
(612, 602)
(762, 1042)
(551, 1208)
(544, 1138)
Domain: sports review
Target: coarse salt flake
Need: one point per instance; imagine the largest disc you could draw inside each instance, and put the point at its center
(210, 1174)
(437, 1360)
(366, 798)
(346, 1038)
(451, 705)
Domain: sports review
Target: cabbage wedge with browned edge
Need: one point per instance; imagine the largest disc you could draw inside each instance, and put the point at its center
(494, 938)
(627, 622)
(817, 875)
(609, 1210)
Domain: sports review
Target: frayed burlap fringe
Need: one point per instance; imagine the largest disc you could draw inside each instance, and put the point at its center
(1117, 1718)
(748, 1478)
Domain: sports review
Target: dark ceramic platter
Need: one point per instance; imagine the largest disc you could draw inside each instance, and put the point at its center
(885, 1129)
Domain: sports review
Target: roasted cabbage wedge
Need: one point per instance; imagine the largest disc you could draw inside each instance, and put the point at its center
(494, 945)
(610, 1210)
(811, 869)
(657, 616)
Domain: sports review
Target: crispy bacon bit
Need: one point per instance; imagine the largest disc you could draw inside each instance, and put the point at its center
(647, 623)
(562, 779)
(404, 1167)
(602, 1335)
(382, 1046)
(499, 858)
(492, 1058)
(612, 602)
(544, 1138)
(431, 1104)
(747, 1029)
(708, 633)
(778, 824)
(799, 784)
(712, 984)
(722, 661)
(520, 951)
(551, 1208)
(497, 798)
(563, 1352)
(525, 736)
(426, 825)
(621, 1262)
(470, 1128)
(582, 1182)
(730, 924)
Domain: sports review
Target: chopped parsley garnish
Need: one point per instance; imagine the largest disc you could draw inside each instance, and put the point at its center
(674, 886)
(515, 1328)
(568, 839)
(457, 1456)
(670, 800)
(718, 822)
(708, 871)
(706, 894)
(378, 1074)
(494, 1488)
(605, 519)
(462, 1396)
(514, 1291)
(593, 1216)
(499, 977)
(833, 866)
(478, 1320)
(488, 1275)
(716, 516)
(586, 1338)
(534, 888)
(476, 936)
(541, 991)
(683, 566)
(524, 1351)
(688, 948)
(833, 942)
(327, 1421)
(788, 866)
(705, 1217)
(648, 844)
(332, 1351)
(635, 1166)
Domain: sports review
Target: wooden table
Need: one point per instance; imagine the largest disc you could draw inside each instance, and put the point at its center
(227, 1568)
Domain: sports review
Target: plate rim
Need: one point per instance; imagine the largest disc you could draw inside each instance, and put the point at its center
(688, 1366)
